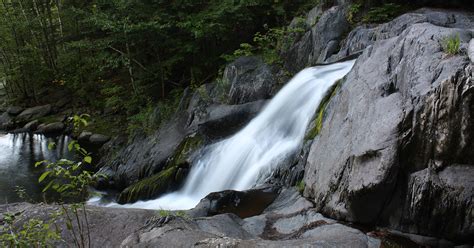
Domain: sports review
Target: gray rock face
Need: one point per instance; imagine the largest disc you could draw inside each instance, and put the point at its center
(34, 113)
(363, 36)
(56, 127)
(288, 222)
(439, 203)
(320, 41)
(471, 50)
(250, 80)
(405, 107)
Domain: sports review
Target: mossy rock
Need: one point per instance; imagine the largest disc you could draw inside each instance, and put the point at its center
(318, 122)
(149, 187)
(189, 145)
(165, 180)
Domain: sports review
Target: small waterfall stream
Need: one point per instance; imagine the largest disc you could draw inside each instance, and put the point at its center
(248, 157)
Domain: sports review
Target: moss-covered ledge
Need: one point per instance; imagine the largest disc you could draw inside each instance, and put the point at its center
(317, 124)
(168, 178)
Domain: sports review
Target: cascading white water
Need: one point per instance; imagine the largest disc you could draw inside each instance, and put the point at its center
(249, 156)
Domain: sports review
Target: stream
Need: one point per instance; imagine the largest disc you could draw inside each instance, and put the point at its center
(18, 155)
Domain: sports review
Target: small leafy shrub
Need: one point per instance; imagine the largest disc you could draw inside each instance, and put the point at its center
(33, 233)
(354, 9)
(451, 44)
(268, 44)
(383, 13)
(71, 180)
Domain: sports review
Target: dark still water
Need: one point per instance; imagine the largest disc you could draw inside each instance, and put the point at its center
(18, 155)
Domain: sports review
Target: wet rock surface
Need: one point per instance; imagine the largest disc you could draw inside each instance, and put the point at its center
(201, 114)
(289, 221)
(404, 110)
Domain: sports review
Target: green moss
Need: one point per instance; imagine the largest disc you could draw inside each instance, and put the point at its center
(185, 149)
(148, 187)
(159, 183)
(318, 123)
(300, 186)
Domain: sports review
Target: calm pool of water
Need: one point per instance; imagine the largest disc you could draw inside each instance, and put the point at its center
(18, 155)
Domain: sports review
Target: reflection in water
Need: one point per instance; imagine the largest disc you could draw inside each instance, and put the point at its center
(18, 155)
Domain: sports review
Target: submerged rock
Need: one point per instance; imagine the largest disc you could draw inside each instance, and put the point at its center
(241, 203)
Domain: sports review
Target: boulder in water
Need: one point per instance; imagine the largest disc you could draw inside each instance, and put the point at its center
(32, 125)
(51, 128)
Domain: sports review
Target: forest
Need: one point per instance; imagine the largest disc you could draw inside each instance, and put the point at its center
(118, 56)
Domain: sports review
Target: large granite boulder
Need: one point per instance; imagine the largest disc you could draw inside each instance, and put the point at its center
(365, 35)
(250, 80)
(320, 41)
(401, 123)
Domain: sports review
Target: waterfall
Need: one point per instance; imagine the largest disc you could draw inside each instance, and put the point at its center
(248, 157)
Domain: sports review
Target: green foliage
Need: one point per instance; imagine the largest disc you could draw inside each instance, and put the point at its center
(452, 44)
(300, 186)
(119, 54)
(383, 13)
(71, 180)
(151, 117)
(167, 213)
(33, 233)
(353, 11)
(268, 44)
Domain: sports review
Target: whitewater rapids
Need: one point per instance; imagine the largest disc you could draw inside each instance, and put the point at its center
(247, 158)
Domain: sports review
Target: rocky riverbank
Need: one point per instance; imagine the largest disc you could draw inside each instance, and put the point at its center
(392, 150)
